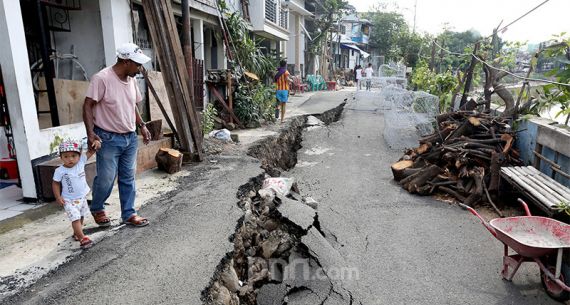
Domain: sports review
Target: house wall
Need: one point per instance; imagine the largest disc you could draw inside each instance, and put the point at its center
(86, 38)
(19, 92)
(116, 26)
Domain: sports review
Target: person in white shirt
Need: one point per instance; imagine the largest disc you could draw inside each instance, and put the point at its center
(70, 186)
(358, 73)
(369, 71)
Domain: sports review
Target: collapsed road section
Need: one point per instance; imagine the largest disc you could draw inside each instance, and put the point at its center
(280, 255)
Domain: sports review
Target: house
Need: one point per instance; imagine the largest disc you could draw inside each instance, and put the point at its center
(44, 102)
(351, 42)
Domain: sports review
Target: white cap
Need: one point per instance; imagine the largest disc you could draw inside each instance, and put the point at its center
(133, 52)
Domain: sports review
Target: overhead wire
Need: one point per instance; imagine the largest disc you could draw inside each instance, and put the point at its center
(521, 17)
(499, 69)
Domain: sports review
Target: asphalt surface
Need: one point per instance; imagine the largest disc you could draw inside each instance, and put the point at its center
(168, 262)
(407, 249)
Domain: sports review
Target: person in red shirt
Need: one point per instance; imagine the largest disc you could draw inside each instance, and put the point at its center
(282, 80)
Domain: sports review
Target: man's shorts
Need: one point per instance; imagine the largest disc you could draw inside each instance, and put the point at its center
(282, 96)
(76, 208)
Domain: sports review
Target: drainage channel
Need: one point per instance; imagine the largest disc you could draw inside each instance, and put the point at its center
(280, 253)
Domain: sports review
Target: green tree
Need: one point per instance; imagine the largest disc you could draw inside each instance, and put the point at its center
(388, 29)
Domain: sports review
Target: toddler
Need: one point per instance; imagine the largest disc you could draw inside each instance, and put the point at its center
(70, 186)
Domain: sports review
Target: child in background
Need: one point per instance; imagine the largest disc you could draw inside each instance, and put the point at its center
(282, 80)
(70, 186)
(358, 74)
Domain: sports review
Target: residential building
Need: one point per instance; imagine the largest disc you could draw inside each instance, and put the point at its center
(44, 102)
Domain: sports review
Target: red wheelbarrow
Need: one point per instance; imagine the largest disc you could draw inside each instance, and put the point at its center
(533, 238)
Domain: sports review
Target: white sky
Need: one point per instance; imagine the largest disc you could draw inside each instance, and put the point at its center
(483, 15)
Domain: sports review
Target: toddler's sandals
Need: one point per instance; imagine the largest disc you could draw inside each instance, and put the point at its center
(86, 243)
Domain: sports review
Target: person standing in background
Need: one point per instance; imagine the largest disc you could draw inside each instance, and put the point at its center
(282, 80)
(369, 72)
(358, 77)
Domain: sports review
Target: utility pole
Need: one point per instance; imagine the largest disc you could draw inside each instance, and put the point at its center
(415, 10)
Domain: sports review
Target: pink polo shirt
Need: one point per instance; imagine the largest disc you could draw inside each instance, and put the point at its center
(116, 101)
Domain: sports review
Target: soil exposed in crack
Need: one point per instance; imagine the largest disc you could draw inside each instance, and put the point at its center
(268, 241)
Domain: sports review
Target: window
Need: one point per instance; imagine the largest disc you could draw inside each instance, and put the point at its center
(271, 10)
(283, 18)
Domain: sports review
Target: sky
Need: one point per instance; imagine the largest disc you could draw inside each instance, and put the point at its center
(482, 15)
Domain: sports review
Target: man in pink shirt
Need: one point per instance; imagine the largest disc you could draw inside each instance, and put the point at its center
(110, 115)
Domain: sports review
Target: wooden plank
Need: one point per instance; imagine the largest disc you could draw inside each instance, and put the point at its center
(161, 106)
(157, 81)
(545, 187)
(70, 95)
(529, 188)
(223, 103)
(167, 45)
(184, 78)
(554, 185)
(537, 150)
(546, 192)
(523, 191)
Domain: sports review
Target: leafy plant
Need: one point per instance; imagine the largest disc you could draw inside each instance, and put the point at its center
(556, 95)
(208, 116)
(563, 206)
(54, 145)
(253, 103)
(438, 84)
(247, 50)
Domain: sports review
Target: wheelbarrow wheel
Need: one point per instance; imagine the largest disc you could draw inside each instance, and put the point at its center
(552, 288)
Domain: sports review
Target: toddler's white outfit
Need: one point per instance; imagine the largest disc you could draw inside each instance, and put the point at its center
(74, 189)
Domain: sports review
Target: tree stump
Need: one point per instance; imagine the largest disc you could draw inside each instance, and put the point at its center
(399, 167)
(169, 160)
(155, 129)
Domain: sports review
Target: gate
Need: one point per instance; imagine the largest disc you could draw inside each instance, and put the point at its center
(198, 82)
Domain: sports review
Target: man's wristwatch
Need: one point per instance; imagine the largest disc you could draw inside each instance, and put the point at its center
(142, 124)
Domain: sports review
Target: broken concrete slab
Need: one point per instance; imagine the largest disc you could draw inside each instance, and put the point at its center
(272, 294)
(298, 213)
(314, 121)
(322, 250)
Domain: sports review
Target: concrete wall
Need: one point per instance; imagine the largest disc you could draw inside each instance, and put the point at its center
(19, 92)
(559, 138)
(116, 25)
(87, 39)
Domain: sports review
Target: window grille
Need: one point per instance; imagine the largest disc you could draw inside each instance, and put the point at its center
(284, 18)
(271, 10)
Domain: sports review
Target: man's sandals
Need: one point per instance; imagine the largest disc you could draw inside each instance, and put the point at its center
(136, 221)
(101, 219)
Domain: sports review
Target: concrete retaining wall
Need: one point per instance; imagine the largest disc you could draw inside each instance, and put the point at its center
(554, 137)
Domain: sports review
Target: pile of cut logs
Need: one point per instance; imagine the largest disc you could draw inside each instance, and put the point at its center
(462, 158)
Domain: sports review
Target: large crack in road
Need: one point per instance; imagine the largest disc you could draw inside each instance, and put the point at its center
(281, 254)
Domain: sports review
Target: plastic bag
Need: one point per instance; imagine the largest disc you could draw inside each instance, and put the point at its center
(281, 186)
(222, 134)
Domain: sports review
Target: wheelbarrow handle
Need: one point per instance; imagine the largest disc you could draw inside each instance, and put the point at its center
(483, 221)
(525, 206)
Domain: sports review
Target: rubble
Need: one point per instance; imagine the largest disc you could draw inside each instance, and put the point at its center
(276, 235)
(461, 158)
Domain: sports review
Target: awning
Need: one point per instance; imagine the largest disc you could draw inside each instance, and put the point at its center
(294, 7)
(353, 47)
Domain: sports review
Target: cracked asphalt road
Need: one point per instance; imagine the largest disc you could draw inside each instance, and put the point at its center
(407, 249)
